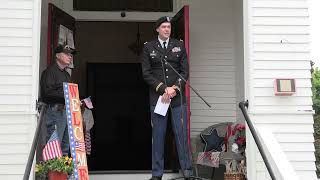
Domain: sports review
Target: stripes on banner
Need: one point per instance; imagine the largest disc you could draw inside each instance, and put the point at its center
(80, 146)
(87, 141)
(52, 148)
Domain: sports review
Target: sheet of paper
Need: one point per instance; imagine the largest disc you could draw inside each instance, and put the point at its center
(161, 108)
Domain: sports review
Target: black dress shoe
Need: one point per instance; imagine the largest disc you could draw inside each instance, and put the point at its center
(155, 178)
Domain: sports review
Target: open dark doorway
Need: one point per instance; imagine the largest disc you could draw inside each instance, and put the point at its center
(121, 137)
(108, 70)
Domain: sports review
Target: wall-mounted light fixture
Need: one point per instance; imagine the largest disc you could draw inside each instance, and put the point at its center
(284, 86)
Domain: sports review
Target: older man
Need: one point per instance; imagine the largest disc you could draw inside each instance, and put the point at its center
(52, 94)
(163, 81)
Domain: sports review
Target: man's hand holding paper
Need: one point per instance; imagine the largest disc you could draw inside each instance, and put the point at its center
(162, 105)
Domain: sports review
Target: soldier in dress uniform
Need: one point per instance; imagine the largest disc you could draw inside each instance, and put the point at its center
(163, 81)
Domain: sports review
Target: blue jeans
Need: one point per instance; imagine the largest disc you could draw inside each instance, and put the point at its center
(159, 126)
(57, 117)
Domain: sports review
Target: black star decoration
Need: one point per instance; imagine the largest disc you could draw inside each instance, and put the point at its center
(212, 141)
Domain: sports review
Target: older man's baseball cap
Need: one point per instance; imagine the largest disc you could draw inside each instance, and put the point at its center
(162, 20)
(65, 49)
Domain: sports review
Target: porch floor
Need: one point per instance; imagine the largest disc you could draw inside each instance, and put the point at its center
(129, 176)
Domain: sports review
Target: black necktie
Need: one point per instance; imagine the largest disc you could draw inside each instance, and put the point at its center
(164, 45)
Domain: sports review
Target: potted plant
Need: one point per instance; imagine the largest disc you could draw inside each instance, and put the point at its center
(55, 169)
(239, 134)
(235, 168)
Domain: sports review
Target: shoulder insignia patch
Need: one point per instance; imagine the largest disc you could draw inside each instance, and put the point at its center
(145, 42)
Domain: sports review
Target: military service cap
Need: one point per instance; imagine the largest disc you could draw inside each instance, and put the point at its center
(162, 20)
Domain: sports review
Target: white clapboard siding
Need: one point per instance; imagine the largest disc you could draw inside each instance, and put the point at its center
(282, 38)
(294, 137)
(276, 21)
(14, 108)
(14, 138)
(16, 70)
(16, 51)
(17, 5)
(15, 90)
(279, 35)
(277, 47)
(17, 61)
(275, 73)
(267, 92)
(284, 118)
(15, 32)
(213, 80)
(269, 83)
(15, 119)
(296, 65)
(15, 41)
(283, 12)
(212, 63)
(289, 4)
(13, 149)
(16, 13)
(292, 128)
(17, 158)
(6, 169)
(15, 80)
(14, 128)
(281, 31)
(301, 166)
(294, 156)
(15, 23)
(289, 56)
(203, 74)
(214, 100)
(15, 99)
(285, 108)
(288, 101)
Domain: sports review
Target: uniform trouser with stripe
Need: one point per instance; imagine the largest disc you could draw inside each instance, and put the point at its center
(159, 125)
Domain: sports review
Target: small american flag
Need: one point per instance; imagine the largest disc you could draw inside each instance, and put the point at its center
(52, 148)
(88, 102)
(80, 146)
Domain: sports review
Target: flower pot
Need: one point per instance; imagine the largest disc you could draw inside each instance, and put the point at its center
(54, 175)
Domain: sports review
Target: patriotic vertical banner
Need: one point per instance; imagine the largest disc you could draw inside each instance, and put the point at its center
(75, 129)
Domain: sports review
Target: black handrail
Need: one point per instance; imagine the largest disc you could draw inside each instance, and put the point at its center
(243, 106)
(42, 107)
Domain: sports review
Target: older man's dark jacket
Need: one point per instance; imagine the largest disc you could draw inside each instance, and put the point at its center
(159, 75)
(51, 84)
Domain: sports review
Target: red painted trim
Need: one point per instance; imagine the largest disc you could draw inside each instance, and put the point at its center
(49, 34)
(187, 45)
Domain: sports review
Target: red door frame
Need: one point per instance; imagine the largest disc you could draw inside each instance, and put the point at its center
(187, 46)
(181, 31)
(57, 17)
